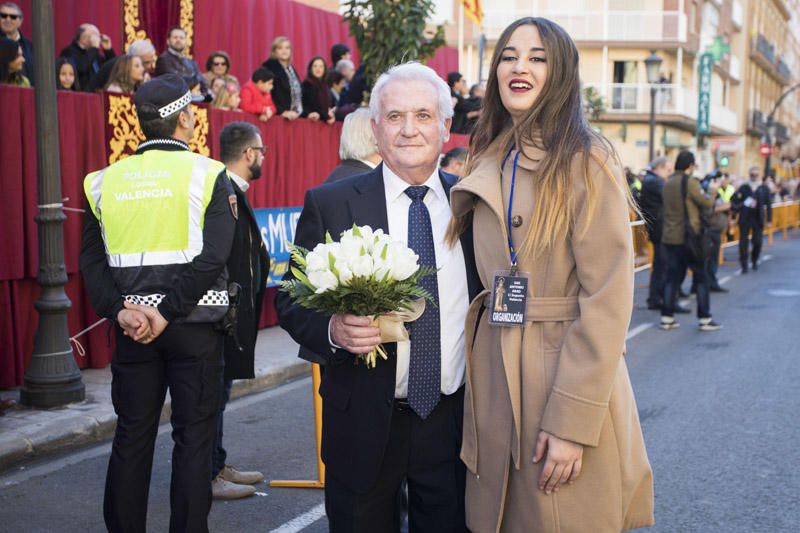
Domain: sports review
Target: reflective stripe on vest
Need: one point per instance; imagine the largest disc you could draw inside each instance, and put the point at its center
(151, 207)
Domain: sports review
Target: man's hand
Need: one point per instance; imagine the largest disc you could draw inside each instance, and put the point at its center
(134, 324)
(105, 42)
(356, 334)
(157, 322)
(563, 464)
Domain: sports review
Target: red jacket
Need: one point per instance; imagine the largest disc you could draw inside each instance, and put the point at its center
(254, 101)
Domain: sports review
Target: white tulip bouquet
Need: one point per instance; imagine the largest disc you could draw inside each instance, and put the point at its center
(366, 273)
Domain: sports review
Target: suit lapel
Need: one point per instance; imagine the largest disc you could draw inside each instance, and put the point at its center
(368, 206)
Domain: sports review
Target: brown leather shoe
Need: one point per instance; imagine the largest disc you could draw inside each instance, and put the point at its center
(229, 473)
(225, 490)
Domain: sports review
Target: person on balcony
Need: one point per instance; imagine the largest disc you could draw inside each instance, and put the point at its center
(12, 63)
(175, 60)
(256, 97)
(287, 91)
(126, 76)
(316, 95)
(88, 52)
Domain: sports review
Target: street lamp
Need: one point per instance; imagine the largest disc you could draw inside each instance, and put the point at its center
(653, 65)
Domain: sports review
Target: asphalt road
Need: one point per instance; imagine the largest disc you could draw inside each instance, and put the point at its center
(718, 409)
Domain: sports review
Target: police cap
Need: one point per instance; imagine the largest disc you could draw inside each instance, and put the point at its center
(161, 97)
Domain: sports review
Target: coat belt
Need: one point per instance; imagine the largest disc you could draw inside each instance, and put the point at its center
(548, 308)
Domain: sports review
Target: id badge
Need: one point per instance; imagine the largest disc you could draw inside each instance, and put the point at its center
(509, 299)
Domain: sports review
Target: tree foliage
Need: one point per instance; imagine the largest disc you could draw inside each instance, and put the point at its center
(593, 103)
(390, 32)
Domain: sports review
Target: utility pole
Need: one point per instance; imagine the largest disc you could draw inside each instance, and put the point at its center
(52, 377)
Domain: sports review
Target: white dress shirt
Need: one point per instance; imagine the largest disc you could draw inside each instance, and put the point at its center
(452, 278)
(241, 182)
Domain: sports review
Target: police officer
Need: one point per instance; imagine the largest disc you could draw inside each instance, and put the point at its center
(156, 239)
(753, 204)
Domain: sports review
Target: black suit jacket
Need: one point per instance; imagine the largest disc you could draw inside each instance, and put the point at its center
(347, 168)
(753, 216)
(248, 265)
(281, 91)
(87, 61)
(652, 206)
(357, 402)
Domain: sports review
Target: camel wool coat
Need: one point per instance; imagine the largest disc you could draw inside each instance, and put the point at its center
(564, 371)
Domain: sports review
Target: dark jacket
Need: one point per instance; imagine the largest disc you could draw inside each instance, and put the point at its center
(248, 265)
(183, 284)
(100, 79)
(183, 66)
(281, 90)
(676, 211)
(652, 205)
(760, 213)
(357, 402)
(354, 94)
(347, 168)
(314, 99)
(27, 52)
(473, 103)
(87, 61)
(459, 113)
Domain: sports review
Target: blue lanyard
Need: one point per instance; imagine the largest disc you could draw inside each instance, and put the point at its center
(511, 249)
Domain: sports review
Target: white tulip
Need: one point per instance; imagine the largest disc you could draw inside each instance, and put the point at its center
(317, 259)
(322, 280)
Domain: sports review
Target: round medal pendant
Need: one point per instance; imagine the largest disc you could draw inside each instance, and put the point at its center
(516, 221)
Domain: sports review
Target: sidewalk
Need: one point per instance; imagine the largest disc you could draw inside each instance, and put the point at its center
(28, 433)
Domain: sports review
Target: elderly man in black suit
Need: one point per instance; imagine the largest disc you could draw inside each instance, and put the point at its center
(393, 422)
(753, 204)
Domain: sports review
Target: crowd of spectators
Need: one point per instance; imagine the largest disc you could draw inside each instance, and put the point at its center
(328, 92)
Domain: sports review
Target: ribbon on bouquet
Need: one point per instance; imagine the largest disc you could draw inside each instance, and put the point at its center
(393, 329)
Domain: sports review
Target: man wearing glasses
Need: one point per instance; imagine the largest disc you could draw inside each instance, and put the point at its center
(242, 152)
(10, 22)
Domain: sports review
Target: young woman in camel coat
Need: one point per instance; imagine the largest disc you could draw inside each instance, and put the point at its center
(552, 440)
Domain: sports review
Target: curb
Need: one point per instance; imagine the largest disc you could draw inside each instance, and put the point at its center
(77, 431)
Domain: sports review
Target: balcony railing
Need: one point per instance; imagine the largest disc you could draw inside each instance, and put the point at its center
(611, 25)
(781, 132)
(671, 99)
(783, 70)
(757, 121)
(765, 48)
(735, 67)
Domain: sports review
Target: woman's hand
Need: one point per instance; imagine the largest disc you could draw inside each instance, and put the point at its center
(313, 117)
(289, 115)
(563, 464)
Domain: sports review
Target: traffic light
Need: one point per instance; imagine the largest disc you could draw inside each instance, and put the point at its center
(724, 160)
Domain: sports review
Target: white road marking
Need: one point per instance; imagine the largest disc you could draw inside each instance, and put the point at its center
(302, 521)
(638, 329)
(24, 474)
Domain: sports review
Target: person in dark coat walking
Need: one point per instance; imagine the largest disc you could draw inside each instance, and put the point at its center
(652, 205)
(753, 205)
(242, 152)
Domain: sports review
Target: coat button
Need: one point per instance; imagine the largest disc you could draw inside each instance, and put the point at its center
(516, 221)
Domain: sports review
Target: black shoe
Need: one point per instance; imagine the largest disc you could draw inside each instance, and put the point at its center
(718, 289)
(706, 324)
(682, 294)
(654, 306)
(682, 310)
(755, 267)
(744, 269)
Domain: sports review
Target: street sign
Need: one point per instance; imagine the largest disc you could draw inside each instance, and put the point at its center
(765, 150)
(706, 67)
(719, 48)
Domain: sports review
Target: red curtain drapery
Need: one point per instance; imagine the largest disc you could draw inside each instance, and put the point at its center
(157, 17)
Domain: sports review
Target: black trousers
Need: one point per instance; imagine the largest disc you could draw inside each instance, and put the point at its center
(678, 260)
(745, 228)
(187, 359)
(712, 263)
(219, 455)
(658, 275)
(426, 454)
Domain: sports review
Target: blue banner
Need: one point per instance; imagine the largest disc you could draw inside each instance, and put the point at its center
(277, 226)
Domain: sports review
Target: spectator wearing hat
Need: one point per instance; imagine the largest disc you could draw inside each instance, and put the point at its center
(88, 51)
(316, 95)
(161, 279)
(287, 90)
(175, 60)
(11, 18)
(256, 97)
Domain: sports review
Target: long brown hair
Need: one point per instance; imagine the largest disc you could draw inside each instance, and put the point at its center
(121, 75)
(555, 123)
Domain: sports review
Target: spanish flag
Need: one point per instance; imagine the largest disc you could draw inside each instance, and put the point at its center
(472, 9)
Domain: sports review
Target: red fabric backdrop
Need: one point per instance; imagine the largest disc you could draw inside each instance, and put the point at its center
(157, 17)
(69, 14)
(445, 61)
(245, 29)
